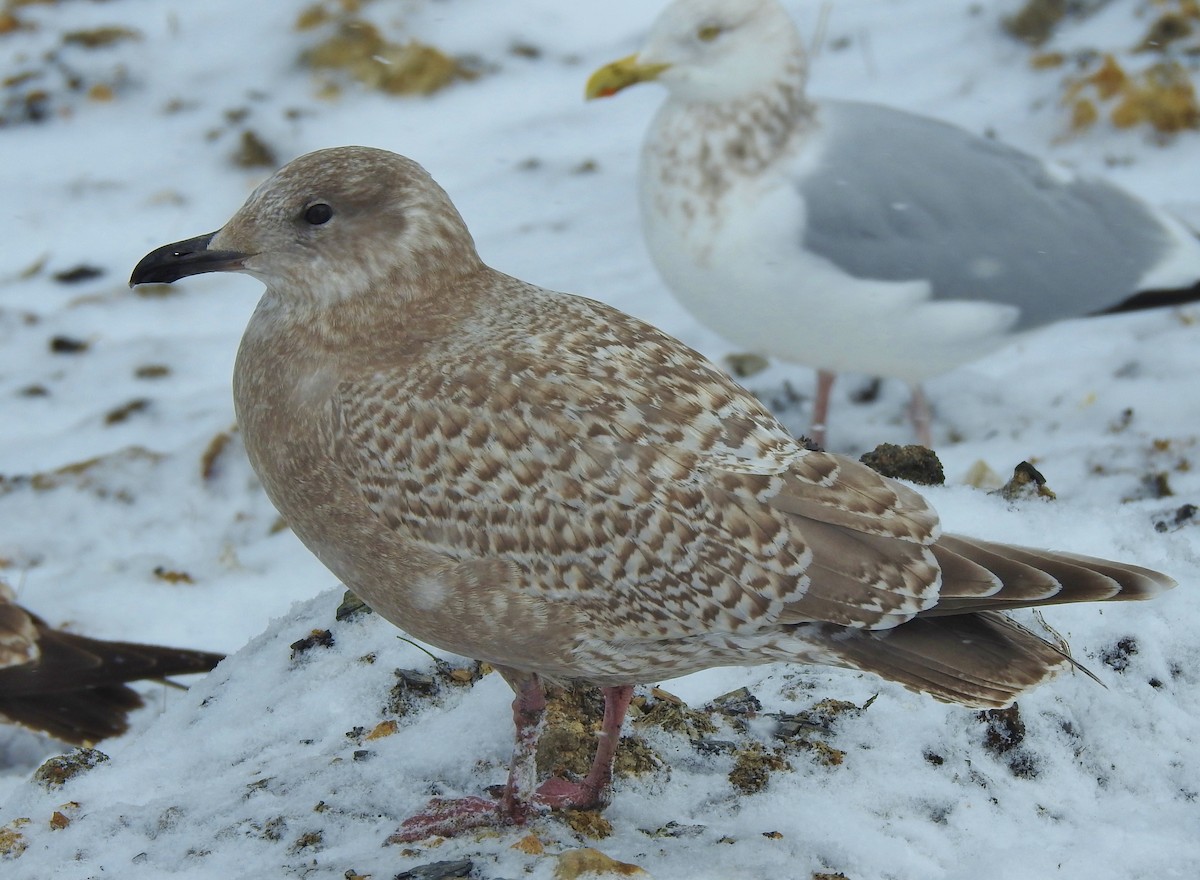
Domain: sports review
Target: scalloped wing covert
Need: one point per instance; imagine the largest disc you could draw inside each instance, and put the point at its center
(666, 503)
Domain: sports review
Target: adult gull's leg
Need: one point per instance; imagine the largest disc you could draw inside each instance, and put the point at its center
(922, 416)
(821, 407)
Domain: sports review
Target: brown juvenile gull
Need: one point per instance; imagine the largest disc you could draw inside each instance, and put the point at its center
(852, 236)
(545, 483)
(72, 687)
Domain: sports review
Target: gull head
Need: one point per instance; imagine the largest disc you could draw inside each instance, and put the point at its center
(710, 51)
(329, 226)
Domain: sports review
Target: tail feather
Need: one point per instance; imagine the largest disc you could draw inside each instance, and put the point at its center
(69, 662)
(983, 660)
(79, 717)
(1154, 299)
(963, 578)
(964, 649)
(77, 688)
(1030, 578)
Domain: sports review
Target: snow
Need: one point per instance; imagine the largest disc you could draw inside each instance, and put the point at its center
(225, 780)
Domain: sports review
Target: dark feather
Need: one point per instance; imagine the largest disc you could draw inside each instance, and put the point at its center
(77, 687)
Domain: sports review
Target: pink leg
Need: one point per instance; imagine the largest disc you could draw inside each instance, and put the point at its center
(529, 711)
(445, 817)
(821, 407)
(594, 791)
(922, 416)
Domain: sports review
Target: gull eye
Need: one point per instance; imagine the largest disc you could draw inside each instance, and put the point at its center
(318, 214)
(709, 32)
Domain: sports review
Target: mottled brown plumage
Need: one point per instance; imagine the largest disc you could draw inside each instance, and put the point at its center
(540, 481)
(73, 687)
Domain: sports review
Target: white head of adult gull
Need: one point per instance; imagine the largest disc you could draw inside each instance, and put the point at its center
(852, 236)
(540, 481)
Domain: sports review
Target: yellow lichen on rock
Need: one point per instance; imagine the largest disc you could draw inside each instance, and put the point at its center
(1084, 114)
(1162, 97)
(576, 864)
(12, 841)
(411, 68)
(382, 729)
(95, 38)
(530, 844)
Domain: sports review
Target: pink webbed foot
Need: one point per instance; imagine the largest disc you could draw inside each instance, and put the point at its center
(559, 794)
(446, 817)
(594, 791)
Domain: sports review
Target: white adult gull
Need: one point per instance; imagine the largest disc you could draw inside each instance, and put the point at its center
(540, 481)
(849, 236)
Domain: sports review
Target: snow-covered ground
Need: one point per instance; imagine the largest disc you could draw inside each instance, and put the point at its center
(163, 536)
